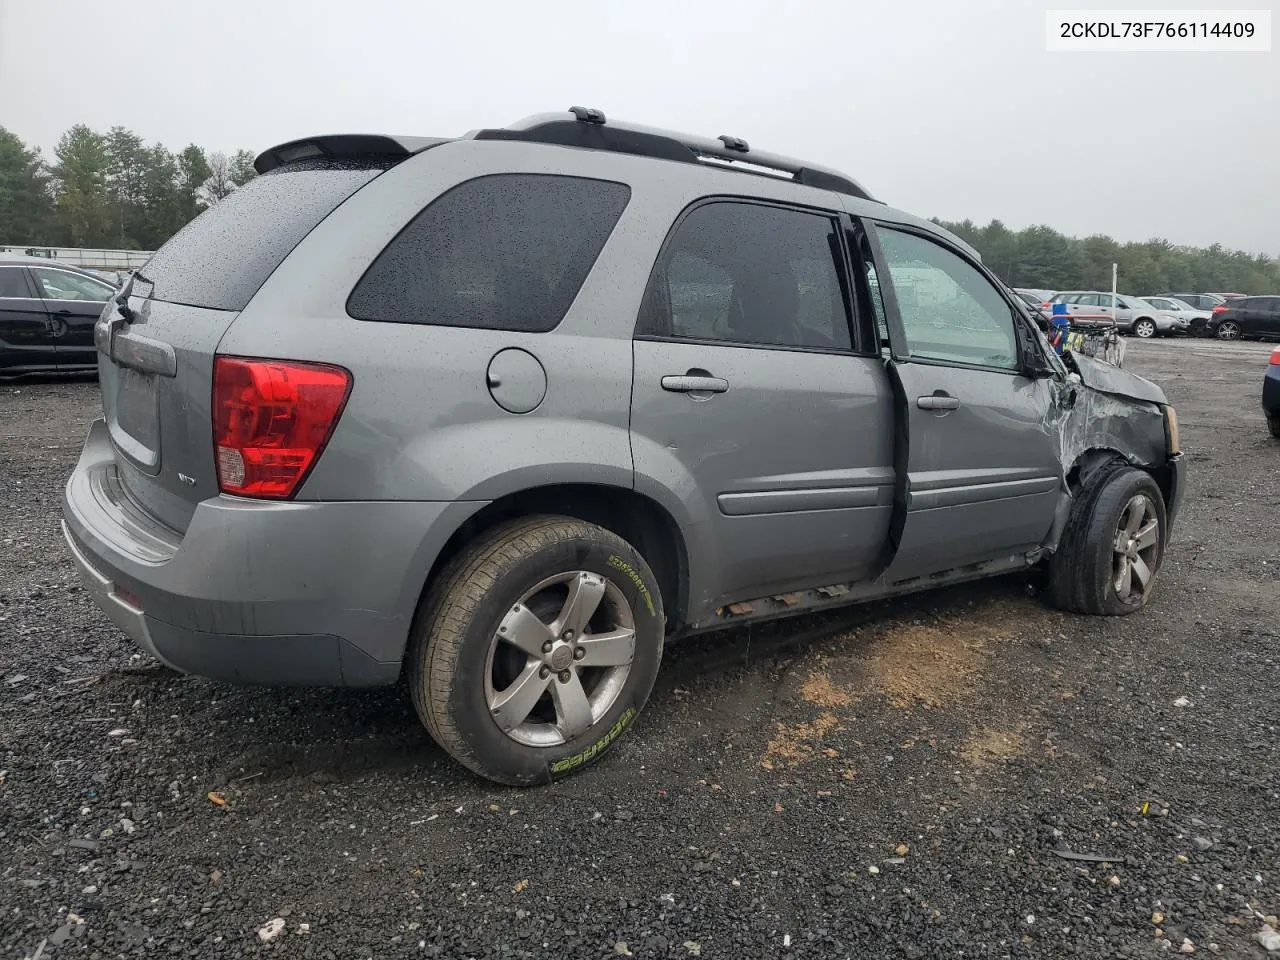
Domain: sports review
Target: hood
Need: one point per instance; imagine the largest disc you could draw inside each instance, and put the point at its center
(1105, 378)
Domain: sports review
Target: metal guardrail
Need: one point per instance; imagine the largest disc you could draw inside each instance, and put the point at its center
(98, 259)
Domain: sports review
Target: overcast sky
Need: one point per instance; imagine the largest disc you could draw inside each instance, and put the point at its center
(948, 108)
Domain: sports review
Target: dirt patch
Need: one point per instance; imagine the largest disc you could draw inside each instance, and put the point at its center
(990, 745)
(821, 692)
(797, 743)
(936, 664)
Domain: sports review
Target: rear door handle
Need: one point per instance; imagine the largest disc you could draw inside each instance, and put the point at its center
(937, 403)
(694, 384)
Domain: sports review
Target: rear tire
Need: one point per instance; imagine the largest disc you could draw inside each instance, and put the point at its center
(520, 664)
(1228, 330)
(1111, 550)
(1273, 424)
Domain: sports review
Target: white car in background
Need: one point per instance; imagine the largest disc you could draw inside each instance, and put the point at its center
(1182, 309)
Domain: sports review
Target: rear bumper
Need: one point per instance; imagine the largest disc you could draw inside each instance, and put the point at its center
(318, 594)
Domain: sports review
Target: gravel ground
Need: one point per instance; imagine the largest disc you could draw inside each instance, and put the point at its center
(893, 783)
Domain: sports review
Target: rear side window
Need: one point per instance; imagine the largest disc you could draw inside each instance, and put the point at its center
(750, 274)
(223, 256)
(503, 252)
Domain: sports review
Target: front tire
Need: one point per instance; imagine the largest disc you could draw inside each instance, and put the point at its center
(1144, 329)
(536, 649)
(1113, 544)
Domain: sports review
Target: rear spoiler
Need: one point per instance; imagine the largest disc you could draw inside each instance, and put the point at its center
(343, 145)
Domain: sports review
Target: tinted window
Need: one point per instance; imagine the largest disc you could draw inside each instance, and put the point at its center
(13, 283)
(223, 256)
(950, 311)
(504, 252)
(59, 285)
(753, 274)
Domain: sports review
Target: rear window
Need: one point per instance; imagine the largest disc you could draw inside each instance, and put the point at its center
(503, 252)
(223, 256)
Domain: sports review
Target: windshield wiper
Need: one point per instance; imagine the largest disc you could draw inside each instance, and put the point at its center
(122, 299)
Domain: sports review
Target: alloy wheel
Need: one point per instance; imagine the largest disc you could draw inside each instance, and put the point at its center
(1137, 548)
(1228, 330)
(560, 658)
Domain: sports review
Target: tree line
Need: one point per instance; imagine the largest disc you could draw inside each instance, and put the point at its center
(114, 190)
(109, 190)
(1042, 258)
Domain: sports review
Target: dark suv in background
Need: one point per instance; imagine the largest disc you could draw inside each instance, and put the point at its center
(1245, 317)
(1201, 301)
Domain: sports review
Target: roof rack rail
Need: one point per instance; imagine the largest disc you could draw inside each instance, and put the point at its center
(587, 127)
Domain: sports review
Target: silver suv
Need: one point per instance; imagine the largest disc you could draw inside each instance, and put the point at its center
(507, 412)
(1130, 314)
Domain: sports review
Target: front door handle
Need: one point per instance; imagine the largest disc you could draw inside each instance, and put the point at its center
(938, 402)
(691, 383)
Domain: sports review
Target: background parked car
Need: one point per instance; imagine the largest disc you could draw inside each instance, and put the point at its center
(1246, 317)
(47, 313)
(1271, 393)
(1196, 318)
(1130, 314)
(1201, 301)
(1036, 300)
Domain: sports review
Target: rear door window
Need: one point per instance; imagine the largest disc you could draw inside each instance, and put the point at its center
(502, 252)
(223, 256)
(750, 274)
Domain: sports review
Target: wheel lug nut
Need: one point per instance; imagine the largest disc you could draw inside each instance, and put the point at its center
(564, 676)
(579, 652)
(567, 635)
(544, 673)
(546, 647)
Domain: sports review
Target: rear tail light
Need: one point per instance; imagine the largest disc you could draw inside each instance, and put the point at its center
(1275, 357)
(271, 420)
(1220, 308)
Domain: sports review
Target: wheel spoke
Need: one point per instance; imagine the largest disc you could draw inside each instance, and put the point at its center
(1124, 578)
(573, 709)
(586, 590)
(512, 706)
(1133, 517)
(612, 649)
(1141, 571)
(521, 628)
(1147, 535)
